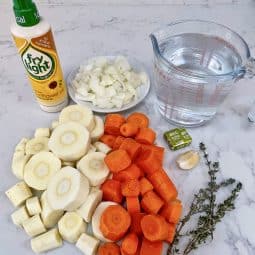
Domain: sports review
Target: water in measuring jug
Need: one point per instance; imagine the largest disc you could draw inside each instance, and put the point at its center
(183, 97)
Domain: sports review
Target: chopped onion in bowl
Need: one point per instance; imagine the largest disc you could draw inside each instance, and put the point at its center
(108, 83)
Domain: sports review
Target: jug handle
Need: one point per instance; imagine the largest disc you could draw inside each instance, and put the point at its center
(250, 73)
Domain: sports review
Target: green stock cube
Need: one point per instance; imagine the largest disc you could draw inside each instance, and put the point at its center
(177, 138)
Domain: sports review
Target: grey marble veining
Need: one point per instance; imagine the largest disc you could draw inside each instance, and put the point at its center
(84, 29)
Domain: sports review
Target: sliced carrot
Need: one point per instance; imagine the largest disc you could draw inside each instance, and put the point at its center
(138, 118)
(171, 233)
(108, 139)
(133, 205)
(112, 191)
(131, 147)
(130, 173)
(154, 227)
(113, 123)
(130, 243)
(145, 136)
(163, 185)
(151, 202)
(123, 252)
(118, 141)
(145, 186)
(108, 249)
(136, 223)
(117, 160)
(130, 188)
(151, 248)
(129, 129)
(172, 211)
(158, 151)
(148, 162)
(114, 222)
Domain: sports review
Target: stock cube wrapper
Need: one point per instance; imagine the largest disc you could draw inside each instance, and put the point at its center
(177, 138)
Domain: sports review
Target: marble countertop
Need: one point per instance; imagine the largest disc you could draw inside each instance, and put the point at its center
(87, 28)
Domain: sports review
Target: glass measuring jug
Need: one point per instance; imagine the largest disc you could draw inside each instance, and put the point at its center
(196, 64)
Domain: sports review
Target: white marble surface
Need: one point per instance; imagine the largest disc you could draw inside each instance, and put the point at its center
(86, 28)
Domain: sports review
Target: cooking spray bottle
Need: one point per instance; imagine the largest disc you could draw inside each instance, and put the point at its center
(35, 43)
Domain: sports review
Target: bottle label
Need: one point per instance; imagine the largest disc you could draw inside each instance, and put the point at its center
(41, 61)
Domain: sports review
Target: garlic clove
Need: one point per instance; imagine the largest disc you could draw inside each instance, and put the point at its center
(188, 160)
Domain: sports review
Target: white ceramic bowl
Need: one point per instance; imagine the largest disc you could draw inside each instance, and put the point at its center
(142, 90)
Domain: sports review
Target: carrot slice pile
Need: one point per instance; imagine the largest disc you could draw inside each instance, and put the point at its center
(146, 136)
(133, 205)
(131, 147)
(130, 173)
(163, 185)
(112, 191)
(118, 141)
(109, 249)
(148, 210)
(129, 129)
(113, 123)
(151, 248)
(117, 160)
(148, 162)
(171, 233)
(108, 139)
(130, 243)
(154, 227)
(145, 186)
(130, 188)
(158, 151)
(151, 202)
(114, 222)
(138, 118)
(172, 211)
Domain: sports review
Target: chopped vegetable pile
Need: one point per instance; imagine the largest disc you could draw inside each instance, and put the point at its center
(65, 172)
(146, 208)
(108, 83)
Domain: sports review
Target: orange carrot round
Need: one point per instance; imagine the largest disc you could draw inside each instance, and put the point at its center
(114, 222)
(145, 136)
(172, 211)
(108, 249)
(131, 147)
(151, 248)
(138, 118)
(158, 151)
(133, 205)
(154, 227)
(130, 173)
(108, 139)
(129, 129)
(117, 160)
(148, 162)
(113, 123)
(130, 243)
(151, 202)
(112, 191)
(130, 188)
(171, 233)
(118, 141)
(163, 185)
(145, 186)
(136, 223)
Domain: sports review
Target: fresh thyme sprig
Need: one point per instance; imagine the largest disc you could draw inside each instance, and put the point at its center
(204, 206)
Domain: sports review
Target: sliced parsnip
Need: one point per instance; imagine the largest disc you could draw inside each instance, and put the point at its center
(67, 190)
(18, 193)
(19, 216)
(47, 241)
(42, 132)
(71, 226)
